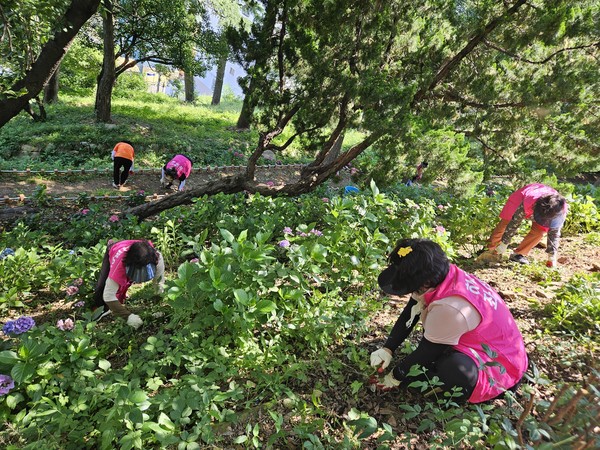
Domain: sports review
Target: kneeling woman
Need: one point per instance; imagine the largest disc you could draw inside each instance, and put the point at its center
(470, 338)
(126, 263)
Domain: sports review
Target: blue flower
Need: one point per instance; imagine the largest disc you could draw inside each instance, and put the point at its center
(19, 326)
(284, 243)
(6, 384)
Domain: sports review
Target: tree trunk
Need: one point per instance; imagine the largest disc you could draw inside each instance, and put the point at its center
(216, 98)
(247, 111)
(51, 89)
(335, 150)
(188, 81)
(107, 77)
(48, 59)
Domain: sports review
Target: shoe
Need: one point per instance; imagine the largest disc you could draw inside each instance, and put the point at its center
(519, 258)
(98, 314)
(116, 186)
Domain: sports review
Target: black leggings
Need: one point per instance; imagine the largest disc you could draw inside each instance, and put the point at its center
(454, 369)
(118, 177)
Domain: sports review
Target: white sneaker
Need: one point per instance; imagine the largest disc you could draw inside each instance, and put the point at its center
(116, 186)
(106, 313)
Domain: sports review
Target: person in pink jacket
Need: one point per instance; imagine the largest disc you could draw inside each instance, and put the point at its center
(470, 338)
(125, 263)
(547, 210)
(177, 171)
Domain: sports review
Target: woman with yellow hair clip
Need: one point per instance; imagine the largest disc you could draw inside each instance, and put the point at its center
(470, 339)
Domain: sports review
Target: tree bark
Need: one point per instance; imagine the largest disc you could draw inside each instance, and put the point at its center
(48, 60)
(51, 89)
(107, 77)
(247, 111)
(218, 90)
(188, 81)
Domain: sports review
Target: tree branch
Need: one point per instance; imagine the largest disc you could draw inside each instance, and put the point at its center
(543, 61)
(450, 64)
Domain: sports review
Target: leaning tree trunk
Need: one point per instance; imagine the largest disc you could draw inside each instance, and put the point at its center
(48, 60)
(188, 82)
(107, 77)
(218, 90)
(51, 89)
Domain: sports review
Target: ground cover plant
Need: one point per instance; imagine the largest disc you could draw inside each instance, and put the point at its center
(263, 336)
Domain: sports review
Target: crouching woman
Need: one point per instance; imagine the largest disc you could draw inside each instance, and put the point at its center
(470, 338)
(126, 263)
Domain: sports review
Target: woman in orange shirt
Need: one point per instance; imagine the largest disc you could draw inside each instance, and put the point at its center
(122, 156)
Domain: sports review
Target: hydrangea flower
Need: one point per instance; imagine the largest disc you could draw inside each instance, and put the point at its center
(316, 232)
(440, 229)
(270, 184)
(78, 282)
(287, 230)
(19, 326)
(194, 260)
(72, 290)
(284, 243)
(80, 304)
(84, 211)
(325, 200)
(113, 218)
(6, 384)
(65, 325)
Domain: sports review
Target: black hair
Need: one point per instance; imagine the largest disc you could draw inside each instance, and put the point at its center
(425, 164)
(425, 266)
(140, 254)
(549, 206)
(171, 172)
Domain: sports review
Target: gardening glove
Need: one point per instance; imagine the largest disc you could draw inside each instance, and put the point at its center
(134, 321)
(381, 359)
(388, 383)
(552, 261)
(501, 249)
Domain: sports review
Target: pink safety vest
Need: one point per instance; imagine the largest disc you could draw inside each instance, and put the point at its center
(181, 164)
(116, 256)
(527, 195)
(497, 330)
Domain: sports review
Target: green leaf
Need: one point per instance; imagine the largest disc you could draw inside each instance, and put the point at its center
(104, 364)
(8, 357)
(240, 439)
(241, 296)
(138, 396)
(218, 305)
(266, 306)
(13, 400)
(136, 416)
(21, 371)
(227, 235)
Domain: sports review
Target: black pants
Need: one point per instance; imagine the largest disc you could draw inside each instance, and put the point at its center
(121, 163)
(102, 277)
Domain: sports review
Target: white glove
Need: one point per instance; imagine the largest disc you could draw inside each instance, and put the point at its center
(501, 249)
(134, 321)
(381, 358)
(388, 382)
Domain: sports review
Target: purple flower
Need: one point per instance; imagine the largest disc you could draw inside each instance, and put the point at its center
(80, 304)
(316, 232)
(325, 200)
(65, 325)
(85, 211)
(287, 230)
(72, 290)
(270, 183)
(440, 229)
(140, 192)
(78, 282)
(194, 260)
(113, 218)
(284, 243)
(6, 384)
(19, 326)
(302, 234)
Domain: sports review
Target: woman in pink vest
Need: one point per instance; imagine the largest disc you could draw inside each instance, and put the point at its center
(126, 263)
(470, 339)
(545, 207)
(176, 171)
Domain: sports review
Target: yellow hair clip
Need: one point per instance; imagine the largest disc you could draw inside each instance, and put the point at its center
(403, 251)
